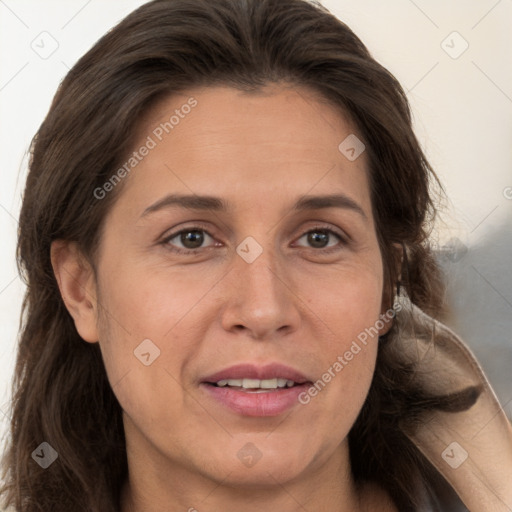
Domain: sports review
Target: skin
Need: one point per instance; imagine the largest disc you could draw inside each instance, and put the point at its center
(295, 304)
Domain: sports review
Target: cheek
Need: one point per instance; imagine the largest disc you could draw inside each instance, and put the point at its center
(347, 302)
(151, 302)
(144, 312)
(349, 309)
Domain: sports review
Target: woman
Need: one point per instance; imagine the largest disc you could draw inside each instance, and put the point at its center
(230, 290)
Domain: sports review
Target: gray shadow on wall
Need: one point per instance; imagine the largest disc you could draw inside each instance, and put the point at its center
(479, 294)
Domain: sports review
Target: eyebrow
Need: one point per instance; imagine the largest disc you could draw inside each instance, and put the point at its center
(196, 202)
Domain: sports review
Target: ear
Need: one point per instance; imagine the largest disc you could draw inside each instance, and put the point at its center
(388, 295)
(76, 280)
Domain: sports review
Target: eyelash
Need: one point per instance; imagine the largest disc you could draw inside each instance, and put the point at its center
(342, 239)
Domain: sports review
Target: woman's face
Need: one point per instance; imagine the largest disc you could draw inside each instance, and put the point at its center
(223, 260)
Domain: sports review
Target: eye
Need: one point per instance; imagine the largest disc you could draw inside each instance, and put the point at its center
(321, 237)
(191, 240)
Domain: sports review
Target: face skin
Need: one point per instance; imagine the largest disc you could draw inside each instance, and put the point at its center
(302, 302)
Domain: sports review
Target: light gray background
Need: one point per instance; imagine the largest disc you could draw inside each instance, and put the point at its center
(463, 116)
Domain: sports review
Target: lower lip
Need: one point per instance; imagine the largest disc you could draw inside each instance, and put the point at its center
(269, 403)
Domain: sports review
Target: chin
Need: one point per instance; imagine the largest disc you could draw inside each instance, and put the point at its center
(258, 463)
(263, 475)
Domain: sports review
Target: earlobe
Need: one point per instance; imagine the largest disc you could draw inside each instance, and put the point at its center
(386, 314)
(76, 280)
(386, 322)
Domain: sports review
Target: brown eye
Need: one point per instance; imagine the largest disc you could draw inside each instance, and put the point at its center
(188, 241)
(320, 238)
(192, 239)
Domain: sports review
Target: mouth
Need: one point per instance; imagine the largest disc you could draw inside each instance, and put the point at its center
(251, 390)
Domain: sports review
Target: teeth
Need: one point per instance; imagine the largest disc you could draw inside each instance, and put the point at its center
(256, 383)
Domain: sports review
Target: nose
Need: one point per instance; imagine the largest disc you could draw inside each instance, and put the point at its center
(261, 299)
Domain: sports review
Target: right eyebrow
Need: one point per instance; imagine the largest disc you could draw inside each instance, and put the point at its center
(190, 202)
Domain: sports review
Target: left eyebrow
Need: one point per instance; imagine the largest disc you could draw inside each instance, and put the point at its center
(195, 202)
(329, 201)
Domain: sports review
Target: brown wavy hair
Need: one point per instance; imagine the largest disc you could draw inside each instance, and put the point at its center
(61, 393)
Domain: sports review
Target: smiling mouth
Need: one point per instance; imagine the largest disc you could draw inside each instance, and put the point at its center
(263, 391)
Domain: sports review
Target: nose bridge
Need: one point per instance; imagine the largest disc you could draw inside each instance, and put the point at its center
(259, 267)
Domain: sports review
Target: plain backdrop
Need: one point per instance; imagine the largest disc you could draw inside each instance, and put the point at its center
(453, 58)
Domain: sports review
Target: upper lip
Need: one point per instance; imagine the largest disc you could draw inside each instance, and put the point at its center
(252, 371)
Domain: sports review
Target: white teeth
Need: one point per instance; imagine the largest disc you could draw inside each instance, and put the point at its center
(252, 383)
(256, 383)
(235, 382)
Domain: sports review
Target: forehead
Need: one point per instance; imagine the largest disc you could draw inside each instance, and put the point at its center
(225, 142)
(231, 115)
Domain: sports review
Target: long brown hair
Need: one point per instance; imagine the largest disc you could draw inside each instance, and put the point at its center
(61, 391)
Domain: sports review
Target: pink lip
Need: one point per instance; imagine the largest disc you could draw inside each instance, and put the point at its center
(269, 403)
(251, 371)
